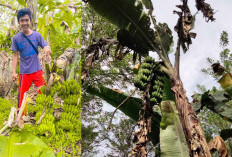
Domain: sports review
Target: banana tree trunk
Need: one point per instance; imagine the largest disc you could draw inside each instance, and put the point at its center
(32, 5)
(193, 132)
(5, 72)
(194, 135)
(6, 64)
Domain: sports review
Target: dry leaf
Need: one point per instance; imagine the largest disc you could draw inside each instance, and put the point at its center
(217, 143)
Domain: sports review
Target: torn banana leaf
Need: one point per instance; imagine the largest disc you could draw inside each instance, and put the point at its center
(130, 18)
(130, 108)
(218, 102)
(172, 138)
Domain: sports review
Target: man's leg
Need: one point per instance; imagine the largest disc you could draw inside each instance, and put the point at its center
(38, 79)
(24, 85)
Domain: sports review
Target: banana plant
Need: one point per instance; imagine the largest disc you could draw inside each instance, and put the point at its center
(23, 144)
(135, 33)
(219, 102)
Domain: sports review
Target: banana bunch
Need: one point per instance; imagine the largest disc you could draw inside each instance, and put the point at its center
(42, 99)
(145, 73)
(48, 116)
(38, 107)
(69, 117)
(69, 91)
(46, 128)
(65, 125)
(71, 109)
(49, 100)
(52, 91)
(38, 114)
(42, 90)
(150, 72)
(156, 92)
(47, 121)
(56, 86)
(69, 87)
(71, 100)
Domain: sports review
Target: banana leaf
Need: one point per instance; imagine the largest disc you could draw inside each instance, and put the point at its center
(168, 93)
(128, 15)
(74, 67)
(22, 144)
(147, 4)
(219, 102)
(130, 108)
(163, 38)
(172, 138)
(134, 25)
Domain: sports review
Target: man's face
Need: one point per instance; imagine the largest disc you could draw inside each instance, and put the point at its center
(25, 22)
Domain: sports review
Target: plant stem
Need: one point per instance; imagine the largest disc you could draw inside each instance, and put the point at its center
(109, 126)
(3, 129)
(177, 61)
(7, 6)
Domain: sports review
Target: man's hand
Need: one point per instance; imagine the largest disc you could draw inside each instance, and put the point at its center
(47, 52)
(14, 76)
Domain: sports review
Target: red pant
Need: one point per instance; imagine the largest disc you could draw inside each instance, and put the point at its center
(25, 81)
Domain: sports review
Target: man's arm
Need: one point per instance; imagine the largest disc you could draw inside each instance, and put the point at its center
(47, 52)
(14, 65)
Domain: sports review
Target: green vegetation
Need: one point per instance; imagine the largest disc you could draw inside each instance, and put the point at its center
(53, 117)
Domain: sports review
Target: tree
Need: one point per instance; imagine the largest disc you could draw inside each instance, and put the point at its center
(211, 122)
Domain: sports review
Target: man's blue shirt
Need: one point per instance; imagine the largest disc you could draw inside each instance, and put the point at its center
(29, 62)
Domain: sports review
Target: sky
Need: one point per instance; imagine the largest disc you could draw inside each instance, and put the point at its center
(206, 43)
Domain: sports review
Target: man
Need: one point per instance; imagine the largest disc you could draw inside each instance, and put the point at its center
(30, 68)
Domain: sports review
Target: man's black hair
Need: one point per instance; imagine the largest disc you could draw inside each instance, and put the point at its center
(23, 12)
